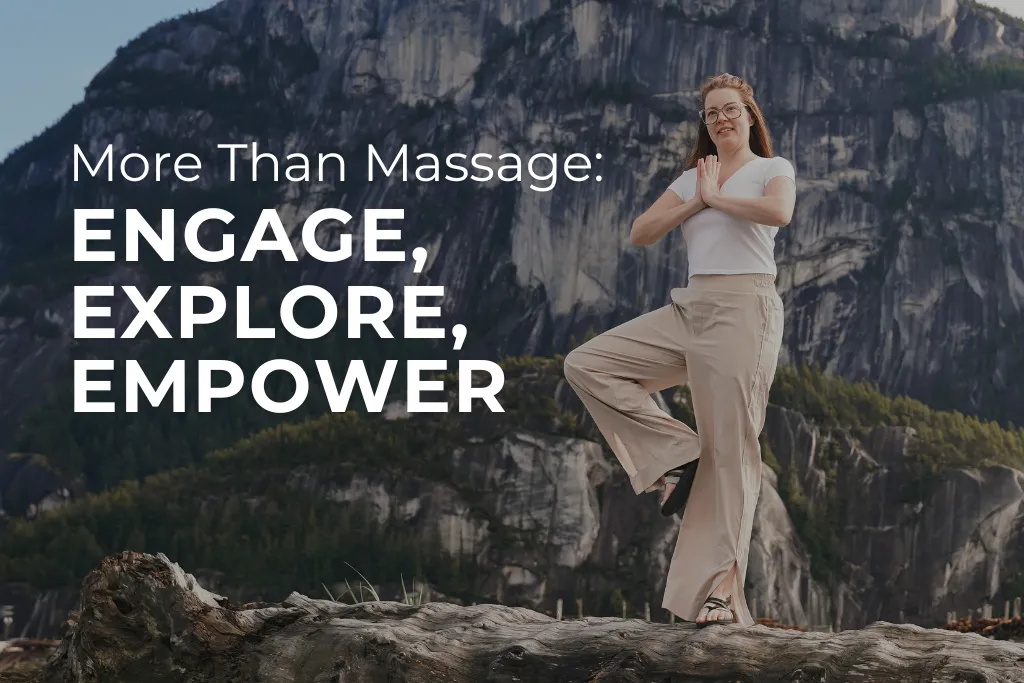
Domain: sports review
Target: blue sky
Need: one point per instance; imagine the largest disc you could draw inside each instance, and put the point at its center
(50, 49)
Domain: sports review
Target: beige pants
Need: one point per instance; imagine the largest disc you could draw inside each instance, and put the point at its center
(722, 335)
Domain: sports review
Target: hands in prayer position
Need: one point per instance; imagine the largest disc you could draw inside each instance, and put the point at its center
(708, 188)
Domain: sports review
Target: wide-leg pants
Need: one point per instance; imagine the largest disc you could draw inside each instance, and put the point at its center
(721, 335)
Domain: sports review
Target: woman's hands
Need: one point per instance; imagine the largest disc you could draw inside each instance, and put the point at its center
(774, 207)
(670, 211)
(707, 180)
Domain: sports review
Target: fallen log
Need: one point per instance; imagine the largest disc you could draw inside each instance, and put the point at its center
(141, 619)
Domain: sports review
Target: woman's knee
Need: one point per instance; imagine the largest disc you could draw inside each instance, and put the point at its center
(577, 363)
(571, 366)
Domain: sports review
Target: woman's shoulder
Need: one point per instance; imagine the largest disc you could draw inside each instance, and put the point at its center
(685, 183)
(688, 173)
(776, 166)
(777, 159)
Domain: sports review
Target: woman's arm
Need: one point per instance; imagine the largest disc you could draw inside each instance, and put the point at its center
(663, 216)
(774, 208)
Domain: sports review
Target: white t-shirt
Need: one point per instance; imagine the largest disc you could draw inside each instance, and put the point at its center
(717, 243)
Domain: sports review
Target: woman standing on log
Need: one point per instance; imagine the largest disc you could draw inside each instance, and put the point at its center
(721, 334)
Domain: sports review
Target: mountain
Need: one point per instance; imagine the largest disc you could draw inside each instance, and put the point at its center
(903, 264)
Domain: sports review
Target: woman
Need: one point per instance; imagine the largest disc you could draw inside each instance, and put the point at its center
(721, 334)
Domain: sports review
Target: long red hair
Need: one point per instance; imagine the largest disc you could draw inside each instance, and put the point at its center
(760, 138)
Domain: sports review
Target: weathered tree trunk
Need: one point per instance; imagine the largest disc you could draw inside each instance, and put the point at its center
(143, 620)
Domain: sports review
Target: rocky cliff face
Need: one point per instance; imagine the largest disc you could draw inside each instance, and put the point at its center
(904, 263)
(903, 556)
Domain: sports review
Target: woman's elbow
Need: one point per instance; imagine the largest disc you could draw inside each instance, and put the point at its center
(782, 219)
(783, 216)
(636, 234)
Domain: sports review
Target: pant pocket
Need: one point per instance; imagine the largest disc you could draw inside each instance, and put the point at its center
(700, 316)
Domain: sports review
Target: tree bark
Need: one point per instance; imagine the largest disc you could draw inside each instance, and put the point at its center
(141, 619)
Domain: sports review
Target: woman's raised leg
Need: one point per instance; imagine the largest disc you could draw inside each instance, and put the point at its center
(615, 373)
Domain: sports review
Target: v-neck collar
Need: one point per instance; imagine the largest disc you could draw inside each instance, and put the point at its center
(737, 171)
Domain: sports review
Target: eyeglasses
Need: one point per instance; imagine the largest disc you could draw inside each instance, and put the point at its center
(730, 111)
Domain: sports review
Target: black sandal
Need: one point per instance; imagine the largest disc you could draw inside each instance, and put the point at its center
(713, 603)
(683, 479)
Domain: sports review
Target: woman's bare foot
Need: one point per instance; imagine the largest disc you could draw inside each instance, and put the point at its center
(666, 489)
(669, 488)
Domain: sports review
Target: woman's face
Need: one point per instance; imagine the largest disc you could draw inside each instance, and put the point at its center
(726, 132)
